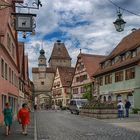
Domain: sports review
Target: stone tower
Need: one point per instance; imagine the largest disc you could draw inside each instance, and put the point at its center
(42, 59)
(59, 56)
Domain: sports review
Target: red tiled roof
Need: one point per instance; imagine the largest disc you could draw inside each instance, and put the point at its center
(66, 75)
(129, 42)
(91, 62)
(48, 70)
(59, 51)
(116, 66)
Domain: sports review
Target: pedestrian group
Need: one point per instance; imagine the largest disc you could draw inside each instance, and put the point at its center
(23, 118)
(24, 115)
(123, 110)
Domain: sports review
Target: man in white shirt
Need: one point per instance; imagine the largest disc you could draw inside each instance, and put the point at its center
(120, 107)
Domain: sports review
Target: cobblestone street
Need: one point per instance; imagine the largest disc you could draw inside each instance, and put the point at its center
(62, 125)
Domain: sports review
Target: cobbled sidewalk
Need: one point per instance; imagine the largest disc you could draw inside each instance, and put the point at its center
(16, 131)
(131, 123)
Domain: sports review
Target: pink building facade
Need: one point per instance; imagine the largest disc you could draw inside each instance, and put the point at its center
(9, 62)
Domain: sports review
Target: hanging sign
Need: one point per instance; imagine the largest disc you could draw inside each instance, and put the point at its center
(24, 22)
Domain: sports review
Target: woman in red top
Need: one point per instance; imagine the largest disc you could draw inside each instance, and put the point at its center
(24, 118)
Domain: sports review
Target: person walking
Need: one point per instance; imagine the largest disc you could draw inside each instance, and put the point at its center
(127, 107)
(8, 117)
(120, 107)
(24, 117)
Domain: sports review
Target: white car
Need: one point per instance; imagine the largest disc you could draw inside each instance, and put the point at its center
(76, 104)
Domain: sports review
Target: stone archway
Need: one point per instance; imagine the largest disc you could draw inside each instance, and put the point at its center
(43, 99)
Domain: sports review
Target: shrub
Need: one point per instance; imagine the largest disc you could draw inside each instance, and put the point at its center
(64, 108)
(100, 105)
(135, 110)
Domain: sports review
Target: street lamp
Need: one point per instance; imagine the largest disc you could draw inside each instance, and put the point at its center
(119, 23)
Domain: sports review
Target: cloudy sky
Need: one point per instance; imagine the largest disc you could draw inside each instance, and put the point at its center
(85, 24)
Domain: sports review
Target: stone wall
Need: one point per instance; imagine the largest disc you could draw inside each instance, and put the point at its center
(100, 113)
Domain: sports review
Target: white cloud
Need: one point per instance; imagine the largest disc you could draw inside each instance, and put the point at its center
(99, 36)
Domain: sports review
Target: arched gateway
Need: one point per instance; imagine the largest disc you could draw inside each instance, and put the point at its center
(43, 99)
(43, 76)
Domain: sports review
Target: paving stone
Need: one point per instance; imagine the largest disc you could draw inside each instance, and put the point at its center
(62, 125)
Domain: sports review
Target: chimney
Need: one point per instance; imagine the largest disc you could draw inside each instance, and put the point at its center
(134, 29)
(58, 42)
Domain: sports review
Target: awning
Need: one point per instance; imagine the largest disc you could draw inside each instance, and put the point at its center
(123, 91)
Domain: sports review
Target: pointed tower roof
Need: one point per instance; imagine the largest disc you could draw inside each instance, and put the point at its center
(59, 51)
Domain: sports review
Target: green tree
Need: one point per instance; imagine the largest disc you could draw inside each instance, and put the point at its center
(88, 92)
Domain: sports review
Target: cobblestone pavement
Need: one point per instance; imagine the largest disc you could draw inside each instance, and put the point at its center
(62, 125)
(16, 131)
(132, 123)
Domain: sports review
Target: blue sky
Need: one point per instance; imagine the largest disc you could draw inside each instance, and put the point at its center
(80, 24)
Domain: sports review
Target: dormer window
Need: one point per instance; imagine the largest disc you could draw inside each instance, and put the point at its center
(138, 50)
(133, 53)
(123, 57)
(103, 65)
(113, 61)
(128, 54)
(117, 58)
(80, 66)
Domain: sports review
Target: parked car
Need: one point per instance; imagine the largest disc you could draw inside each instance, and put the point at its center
(76, 104)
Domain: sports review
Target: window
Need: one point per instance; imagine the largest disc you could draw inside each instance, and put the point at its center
(2, 67)
(15, 79)
(128, 54)
(119, 76)
(8, 42)
(103, 65)
(100, 80)
(134, 53)
(10, 75)
(84, 77)
(123, 57)
(80, 66)
(104, 98)
(4, 100)
(130, 74)
(42, 83)
(113, 61)
(13, 103)
(6, 71)
(13, 50)
(75, 91)
(81, 78)
(77, 79)
(109, 98)
(108, 79)
(83, 90)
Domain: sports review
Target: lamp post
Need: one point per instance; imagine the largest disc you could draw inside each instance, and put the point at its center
(119, 23)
